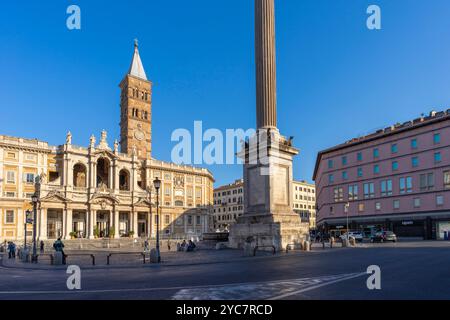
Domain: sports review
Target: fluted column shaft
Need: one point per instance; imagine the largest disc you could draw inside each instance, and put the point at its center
(266, 95)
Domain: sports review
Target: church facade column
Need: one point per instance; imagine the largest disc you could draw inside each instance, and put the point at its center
(92, 223)
(116, 223)
(135, 222)
(69, 219)
(43, 224)
(111, 219)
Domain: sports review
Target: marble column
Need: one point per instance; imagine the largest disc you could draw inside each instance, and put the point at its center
(92, 222)
(43, 224)
(68, 228)
(116, 224)
(266, 97)
(135, 223)
(111, 220)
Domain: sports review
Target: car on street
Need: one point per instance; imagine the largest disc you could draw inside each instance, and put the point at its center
(357, 235)
(384, 236)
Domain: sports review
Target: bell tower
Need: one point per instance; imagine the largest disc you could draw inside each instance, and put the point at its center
(136, 110)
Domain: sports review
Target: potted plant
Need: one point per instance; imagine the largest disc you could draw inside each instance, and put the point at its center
(131, 233)
(112, 232)
(73, 235)
(96, 232)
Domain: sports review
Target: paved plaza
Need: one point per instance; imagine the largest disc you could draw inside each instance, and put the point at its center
(338, 273)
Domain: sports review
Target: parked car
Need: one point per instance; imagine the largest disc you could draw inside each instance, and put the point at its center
(357, 235)
(384, 236)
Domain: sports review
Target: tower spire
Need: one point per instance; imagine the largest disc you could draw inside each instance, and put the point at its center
(136, 66)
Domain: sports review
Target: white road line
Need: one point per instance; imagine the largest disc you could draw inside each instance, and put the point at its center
(74, 292)
(135, 289)
(317, 286)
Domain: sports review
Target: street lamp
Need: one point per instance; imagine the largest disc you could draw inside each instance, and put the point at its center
(34, 200)
(346, 207)
(149, 190)
(28, 220)
(157, 185)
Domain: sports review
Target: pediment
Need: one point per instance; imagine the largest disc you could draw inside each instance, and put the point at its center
(144, 202)
(104, 199)
(105, 153)
(55, 196)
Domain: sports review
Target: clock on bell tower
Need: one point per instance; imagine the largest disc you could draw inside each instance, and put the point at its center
(136, 110)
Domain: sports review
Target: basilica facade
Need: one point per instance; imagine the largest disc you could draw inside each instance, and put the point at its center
(103, 191)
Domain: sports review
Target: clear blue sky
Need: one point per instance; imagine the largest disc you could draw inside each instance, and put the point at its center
(336, 79)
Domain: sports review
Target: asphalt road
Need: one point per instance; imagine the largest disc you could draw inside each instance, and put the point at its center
(413, 271)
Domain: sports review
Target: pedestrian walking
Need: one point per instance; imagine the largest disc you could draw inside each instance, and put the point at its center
(146, 246)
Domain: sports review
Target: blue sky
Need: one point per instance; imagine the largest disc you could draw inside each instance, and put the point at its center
(336, 78)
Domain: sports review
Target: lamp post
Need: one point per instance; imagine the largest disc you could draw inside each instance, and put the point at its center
(34, 200)
(27, 221)
(149, 191)
(157, 185)
(346, 207)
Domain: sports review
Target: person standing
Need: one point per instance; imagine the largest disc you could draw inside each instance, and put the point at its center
(59, 247)
(9, 250)
(42, 245)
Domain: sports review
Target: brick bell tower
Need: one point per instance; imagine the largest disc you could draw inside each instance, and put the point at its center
(136, 110)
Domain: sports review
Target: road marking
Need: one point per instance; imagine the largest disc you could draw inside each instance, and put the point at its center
(317, 286)
(270, 290)
(228, 290)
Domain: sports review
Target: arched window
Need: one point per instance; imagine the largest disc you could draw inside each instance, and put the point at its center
(124, 180)
(103, 173)
(79, 176)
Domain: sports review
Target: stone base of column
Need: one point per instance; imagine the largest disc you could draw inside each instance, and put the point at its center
(278, 230)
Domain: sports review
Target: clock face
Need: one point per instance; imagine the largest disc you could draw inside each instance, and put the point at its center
(139, 135)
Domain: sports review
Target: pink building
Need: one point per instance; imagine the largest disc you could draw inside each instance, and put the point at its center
(394, 179)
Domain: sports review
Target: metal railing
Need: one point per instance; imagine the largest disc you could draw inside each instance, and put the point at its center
(125, 253)
(257, 247)
(81, 255)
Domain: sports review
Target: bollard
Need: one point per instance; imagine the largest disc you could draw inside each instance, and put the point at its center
(307, 246)
(58, 258)
(153, 256)
(352, 242)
